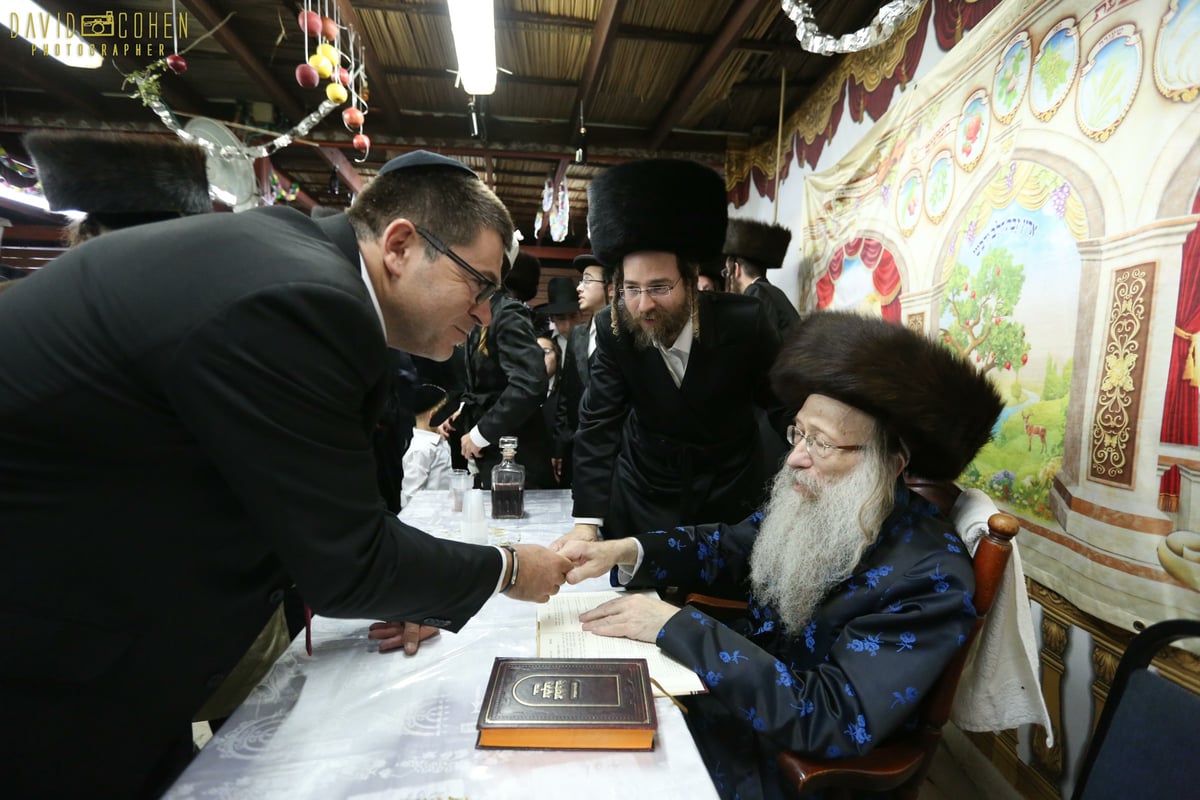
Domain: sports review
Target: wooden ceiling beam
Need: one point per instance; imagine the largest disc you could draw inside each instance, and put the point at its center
(283, 99)
(392, 103)
(45, 74)
(731, 28)
(449, 75)
(608, 20)
(534, 18)
(342, 166)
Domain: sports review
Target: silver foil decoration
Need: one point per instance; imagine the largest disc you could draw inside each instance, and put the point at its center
(878, 32)
(261, 151)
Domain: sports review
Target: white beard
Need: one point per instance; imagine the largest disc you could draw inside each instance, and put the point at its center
(808, 545)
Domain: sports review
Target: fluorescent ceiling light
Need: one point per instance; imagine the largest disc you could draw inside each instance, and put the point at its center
(474, 26)
(55, 35)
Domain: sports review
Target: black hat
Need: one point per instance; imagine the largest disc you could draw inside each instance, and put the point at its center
(120, 173)
(427, 396)
(586, 260)
(423, 158)
(711, 269)
(939, 405)
(562, 298)
(764, 244)
(661, 205)
(523, 278)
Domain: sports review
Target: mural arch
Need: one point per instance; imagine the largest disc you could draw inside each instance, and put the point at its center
(1010, 265)
(1178, 175)
(867, 273)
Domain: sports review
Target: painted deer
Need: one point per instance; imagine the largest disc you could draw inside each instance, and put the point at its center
(1034, 430)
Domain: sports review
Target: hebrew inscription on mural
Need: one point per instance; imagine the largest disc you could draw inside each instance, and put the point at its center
(1114, 425)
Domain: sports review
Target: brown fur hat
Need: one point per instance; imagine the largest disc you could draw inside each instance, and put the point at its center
(940, 406)
(120, 173)
(764, 244)
(666, 205)
(523, 278)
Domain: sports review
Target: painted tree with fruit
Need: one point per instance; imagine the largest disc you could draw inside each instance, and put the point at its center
(982, 329)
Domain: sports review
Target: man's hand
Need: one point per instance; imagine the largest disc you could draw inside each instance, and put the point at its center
(634, 617)
(556, 463)
(593, 559)
(447, 427)
(539, 574)
(470, 450)
(394, 635)
(581, 532)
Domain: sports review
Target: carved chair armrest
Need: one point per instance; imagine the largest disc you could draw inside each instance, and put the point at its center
(884, 768)
(720, 608)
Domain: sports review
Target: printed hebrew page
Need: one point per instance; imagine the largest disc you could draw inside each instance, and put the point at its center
(561, 635)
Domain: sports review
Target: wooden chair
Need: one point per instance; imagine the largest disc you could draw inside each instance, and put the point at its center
(900, 764)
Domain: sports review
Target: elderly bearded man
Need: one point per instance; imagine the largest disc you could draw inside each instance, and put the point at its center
(859, 591)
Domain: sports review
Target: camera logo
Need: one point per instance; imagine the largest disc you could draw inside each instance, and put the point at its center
(97, 24)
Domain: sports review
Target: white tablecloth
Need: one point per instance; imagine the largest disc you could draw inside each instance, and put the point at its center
(349, 722)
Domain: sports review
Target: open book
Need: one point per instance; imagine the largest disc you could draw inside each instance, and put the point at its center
(561, 635)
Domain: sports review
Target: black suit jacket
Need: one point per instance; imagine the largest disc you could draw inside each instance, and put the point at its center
(780, 311)
(575, 374)
(185, 430)
(650, 455)
(506, 385)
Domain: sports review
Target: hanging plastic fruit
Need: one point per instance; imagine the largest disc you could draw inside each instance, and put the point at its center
(307, 76)
(321, 64)
(336, 93)
(362, 142)
(330, 52)
(343, 76)
(176, 63)
(329, 30)
(353, 118)
(310, 23)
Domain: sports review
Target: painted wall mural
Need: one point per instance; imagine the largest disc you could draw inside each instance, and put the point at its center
(1033, 204)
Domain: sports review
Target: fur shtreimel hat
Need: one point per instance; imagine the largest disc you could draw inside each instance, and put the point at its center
(120, 173)
(523, 278)
(759, 242)
(660, 205)
(937, 403)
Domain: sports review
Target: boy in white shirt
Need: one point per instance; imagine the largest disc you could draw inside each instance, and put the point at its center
(427, 460)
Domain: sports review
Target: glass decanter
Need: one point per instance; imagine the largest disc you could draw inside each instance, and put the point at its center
(508, 483)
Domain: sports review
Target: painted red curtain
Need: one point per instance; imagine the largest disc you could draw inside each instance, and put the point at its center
(1180, 422)
(1168, 490)
(876, 101)
(884, 275)
(953, 18)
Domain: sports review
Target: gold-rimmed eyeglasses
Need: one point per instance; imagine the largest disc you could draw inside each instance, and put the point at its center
(488, 287)
(632, 294)
(816, 447)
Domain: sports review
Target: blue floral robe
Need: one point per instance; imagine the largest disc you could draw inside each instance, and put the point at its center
(843, 683)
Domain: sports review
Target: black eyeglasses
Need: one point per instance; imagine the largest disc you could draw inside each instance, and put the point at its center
(633, 294)
(488, 287)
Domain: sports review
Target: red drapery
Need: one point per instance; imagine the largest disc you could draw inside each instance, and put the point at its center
(876, 101)
(1180, 422)
(884, 275)
(953, 18)
(1168, 490)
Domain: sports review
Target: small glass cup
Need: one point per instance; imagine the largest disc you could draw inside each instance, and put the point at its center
(460, 482)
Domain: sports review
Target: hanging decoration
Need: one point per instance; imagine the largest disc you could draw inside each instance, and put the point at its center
(879, 31)
(560, 215)
(346, 72)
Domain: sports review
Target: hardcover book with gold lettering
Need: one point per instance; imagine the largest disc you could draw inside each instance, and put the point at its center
(568, 704)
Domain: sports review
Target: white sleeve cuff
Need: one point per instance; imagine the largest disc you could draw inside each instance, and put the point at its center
(477, 438)
(624, 575)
